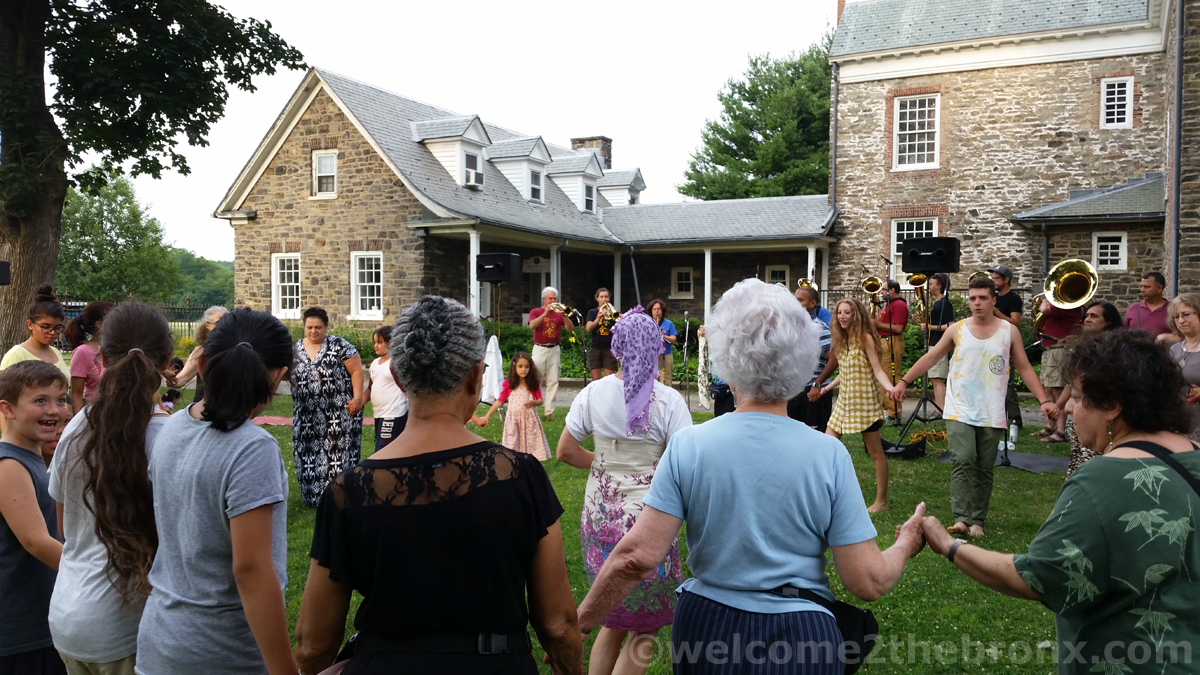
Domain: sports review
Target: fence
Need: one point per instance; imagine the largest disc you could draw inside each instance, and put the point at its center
(830, 297)
(183, 318)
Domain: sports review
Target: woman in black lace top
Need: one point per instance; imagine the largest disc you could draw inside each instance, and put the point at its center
(442, 532)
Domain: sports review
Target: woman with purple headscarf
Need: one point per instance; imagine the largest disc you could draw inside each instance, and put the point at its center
(630, 417)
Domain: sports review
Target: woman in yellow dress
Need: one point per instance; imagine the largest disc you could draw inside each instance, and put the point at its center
(859, 406)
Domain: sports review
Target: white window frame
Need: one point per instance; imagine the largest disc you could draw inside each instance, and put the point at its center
(276, 298)
(937, 133)
(896, 242)
(316, 177)
(589, 203)
(540, 187)
(478, 170)
(1128, 123)
(1123, 263)
(357, 314)
(787, 274)
(676, 294)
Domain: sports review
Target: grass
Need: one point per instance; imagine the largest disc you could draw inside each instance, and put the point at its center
(933, 604)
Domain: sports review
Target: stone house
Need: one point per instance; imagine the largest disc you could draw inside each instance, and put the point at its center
(361, 200)
(1032, 130)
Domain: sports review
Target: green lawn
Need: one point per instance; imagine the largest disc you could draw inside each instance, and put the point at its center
(933, 603)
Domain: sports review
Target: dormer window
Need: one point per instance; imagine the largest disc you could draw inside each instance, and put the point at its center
(589, 198)
(535, 185)
(325, 173)
(473, 175)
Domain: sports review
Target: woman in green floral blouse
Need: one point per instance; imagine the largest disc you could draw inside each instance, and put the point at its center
(1118, 561)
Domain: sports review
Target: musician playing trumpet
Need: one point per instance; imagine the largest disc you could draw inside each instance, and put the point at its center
(548, 323)
(599, 325)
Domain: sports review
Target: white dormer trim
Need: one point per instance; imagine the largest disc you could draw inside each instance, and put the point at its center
(620, 195)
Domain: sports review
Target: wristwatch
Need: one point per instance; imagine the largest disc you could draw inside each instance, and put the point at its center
(954, 549)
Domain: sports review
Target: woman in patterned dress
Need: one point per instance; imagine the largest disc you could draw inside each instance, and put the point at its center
(630, 417)
(327, 387)
(859, 406)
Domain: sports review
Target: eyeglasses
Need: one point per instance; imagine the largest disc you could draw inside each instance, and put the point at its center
(1185, 315)
(55, 328)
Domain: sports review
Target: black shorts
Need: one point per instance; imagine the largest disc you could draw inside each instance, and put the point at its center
(599, 358)
(387, 429)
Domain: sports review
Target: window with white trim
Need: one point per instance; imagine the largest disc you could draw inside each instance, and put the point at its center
(474, 175)
(589, 198)
(285, 285)
(779, 274)
(1116, 103)
(908, 228)
(535, 185)
(915, 134)
(324, 173)
(366, 285)
(681, 283)
(1110, 251)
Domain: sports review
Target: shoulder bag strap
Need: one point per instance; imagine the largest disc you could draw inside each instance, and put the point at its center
(1167, 457)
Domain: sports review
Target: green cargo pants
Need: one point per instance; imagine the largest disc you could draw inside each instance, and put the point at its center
(972, 461)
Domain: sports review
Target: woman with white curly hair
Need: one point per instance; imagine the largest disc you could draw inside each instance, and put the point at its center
(763, 496)
(630, 417)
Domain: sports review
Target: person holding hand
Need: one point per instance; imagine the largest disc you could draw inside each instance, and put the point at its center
(986, 348)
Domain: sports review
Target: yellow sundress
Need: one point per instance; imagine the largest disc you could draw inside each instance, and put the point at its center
(859, 402)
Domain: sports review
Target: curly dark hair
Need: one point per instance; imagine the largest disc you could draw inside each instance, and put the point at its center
(318, 312)
(533, 381)
(1127, 368)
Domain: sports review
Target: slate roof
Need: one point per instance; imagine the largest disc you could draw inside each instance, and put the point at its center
(1136, 199)
(391, 120)
(632, 177)
(518, 147)
(575, 163)
(449, 127)
(725, 220)
(878, 25)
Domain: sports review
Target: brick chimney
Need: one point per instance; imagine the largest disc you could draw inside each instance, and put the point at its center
(841, 8)
(601, 144)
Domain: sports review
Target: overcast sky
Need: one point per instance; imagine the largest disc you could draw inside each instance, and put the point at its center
(645, 74)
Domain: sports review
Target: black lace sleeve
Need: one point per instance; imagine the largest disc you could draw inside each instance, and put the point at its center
(544, 501)
(329, 545)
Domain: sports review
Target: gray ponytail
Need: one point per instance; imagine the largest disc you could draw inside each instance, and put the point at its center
(434, 344)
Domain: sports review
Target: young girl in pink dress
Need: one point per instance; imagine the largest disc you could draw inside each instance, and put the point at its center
(522, 390)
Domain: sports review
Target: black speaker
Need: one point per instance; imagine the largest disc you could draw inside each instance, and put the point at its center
(929, 255)
(5, 273)
(498, 266)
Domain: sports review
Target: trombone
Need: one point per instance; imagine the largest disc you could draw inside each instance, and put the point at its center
(1069, 284)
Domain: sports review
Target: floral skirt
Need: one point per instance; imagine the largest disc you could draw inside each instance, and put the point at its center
(619, 480)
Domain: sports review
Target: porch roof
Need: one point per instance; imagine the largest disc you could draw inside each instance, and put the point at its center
(1137, 199)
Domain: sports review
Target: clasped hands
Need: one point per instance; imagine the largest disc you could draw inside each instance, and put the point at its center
(920, 530)
(1049, 409)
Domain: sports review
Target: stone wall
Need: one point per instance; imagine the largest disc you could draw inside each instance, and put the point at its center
(1144, 245)
(369, 213)
(1012, 139)
(1189, 249)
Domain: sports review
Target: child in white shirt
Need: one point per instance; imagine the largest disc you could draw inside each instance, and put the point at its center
(389, 403)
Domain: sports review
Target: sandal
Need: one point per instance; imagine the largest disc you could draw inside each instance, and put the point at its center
(1043, 432)
(1054, 438)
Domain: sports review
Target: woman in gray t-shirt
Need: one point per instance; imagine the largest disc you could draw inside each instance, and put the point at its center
(1184, 315)
(220, 501)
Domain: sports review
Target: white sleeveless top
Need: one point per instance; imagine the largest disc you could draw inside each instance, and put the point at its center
(978, 378)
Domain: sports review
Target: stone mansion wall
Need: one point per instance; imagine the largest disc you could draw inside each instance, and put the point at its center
(1012, 139)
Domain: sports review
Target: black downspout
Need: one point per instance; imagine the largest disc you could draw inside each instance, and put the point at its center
(1176, 179)
(1045, 253)
(633, 265)
(834, 134)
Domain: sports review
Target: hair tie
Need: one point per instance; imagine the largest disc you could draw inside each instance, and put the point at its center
(243, 342)
(136, 349)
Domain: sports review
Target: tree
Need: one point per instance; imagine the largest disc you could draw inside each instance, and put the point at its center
(132, 78)
(772, 137)
(110, 250)
(202, 282)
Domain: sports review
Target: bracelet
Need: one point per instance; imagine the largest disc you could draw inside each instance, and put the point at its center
(1046, 401)
(954, 549)
(906, 382)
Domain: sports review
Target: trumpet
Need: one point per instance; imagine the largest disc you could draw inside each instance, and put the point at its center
(561, 308)
(609, 312)
(1069, 284)
(807, 283)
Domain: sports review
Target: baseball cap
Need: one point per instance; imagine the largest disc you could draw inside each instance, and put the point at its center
(1003, 271)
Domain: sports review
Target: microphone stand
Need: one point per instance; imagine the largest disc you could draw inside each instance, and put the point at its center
(687, 326)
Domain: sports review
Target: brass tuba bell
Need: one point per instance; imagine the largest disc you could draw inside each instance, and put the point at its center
(807, 283)
(976, 274)
(921, 296)
(1069, 284)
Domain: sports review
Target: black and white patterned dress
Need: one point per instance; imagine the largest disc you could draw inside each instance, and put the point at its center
(326, 438)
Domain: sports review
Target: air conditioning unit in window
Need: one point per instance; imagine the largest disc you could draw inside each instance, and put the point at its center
(474, 179)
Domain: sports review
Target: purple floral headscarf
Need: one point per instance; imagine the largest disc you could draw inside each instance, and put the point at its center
(637, 342)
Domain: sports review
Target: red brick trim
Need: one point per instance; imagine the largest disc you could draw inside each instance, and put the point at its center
(275, 247)
(375, 244)
(1137, 98)
(889, 131)
(889, 213)
(293, 247)
(354, 244)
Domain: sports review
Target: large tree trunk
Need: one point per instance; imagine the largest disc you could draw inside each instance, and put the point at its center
(33, 182)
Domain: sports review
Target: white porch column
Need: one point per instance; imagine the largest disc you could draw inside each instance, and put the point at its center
(824, 272)
(708, 283)
(616, 285)
(554, 270)
(473, 275)
(812, 264)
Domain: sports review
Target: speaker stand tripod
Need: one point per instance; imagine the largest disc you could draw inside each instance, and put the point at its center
(920, 413)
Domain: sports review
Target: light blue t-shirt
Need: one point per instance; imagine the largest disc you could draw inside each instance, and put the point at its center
(668, 328)
(825, 317)
(763, 497)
